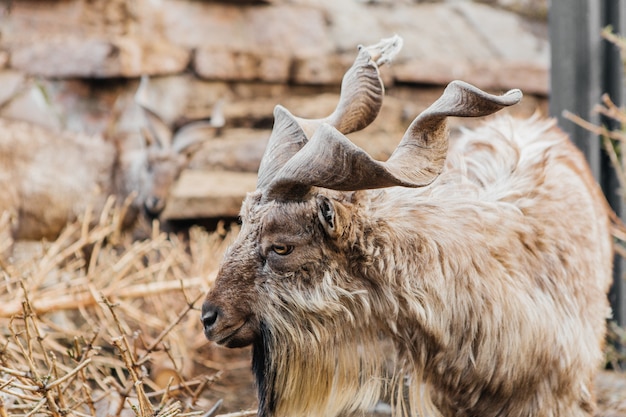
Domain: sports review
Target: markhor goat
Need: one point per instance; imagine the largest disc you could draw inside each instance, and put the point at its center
(462, 282)
(49, 179)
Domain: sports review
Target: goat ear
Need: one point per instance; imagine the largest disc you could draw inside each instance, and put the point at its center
(189, 138)
(156, 132)
(329, 215)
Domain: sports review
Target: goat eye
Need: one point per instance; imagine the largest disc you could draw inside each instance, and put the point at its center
(282, 249)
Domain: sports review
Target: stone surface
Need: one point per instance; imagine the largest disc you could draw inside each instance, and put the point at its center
(291, 30)
(252, 55)
(95, 39)
(24, 98)
(327, 69)
(99, 57)
(229, 65)
(238, 150)
(4, 59)
(300, 42)
(10, 84)
(251, 43)
(488, 74)
(210, 194)
(536, 9)
(31, 105)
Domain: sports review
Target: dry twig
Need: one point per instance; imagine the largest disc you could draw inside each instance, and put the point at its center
(64, 353)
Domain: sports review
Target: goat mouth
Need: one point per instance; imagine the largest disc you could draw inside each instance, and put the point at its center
(237, 336)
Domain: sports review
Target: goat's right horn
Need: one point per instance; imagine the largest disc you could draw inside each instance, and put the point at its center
(330, 160)
(360, 101)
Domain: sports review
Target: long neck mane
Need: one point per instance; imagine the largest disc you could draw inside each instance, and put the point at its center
(474, 269)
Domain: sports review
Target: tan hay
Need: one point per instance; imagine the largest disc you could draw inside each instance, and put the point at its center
(84, 318)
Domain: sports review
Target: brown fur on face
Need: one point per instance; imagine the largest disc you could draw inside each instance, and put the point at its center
(490, 284)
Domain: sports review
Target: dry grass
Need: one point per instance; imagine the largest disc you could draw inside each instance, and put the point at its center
(93, 324)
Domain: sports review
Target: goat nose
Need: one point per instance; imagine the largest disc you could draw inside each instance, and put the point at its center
(154, 205)
(209, 315)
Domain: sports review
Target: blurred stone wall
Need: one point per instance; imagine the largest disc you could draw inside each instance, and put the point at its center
(66, 64)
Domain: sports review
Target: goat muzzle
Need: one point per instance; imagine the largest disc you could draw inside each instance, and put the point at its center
(227, 330)
(154, 206)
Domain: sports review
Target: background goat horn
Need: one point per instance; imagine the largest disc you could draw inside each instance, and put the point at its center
(330, 160)
(360, 101)
(158, 132)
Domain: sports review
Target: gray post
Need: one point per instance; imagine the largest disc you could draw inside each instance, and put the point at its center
(583, 67)
(613, 74)
(575, 70)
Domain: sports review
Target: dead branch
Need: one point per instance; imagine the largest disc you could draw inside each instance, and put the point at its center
(121, 343)
(606, 134)
(54, 363)
(87, 298)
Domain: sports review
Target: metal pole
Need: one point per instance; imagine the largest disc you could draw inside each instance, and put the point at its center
(575, 70)
(612, 84)
(583, 67)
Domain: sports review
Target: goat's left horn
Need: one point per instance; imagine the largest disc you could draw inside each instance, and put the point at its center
(362, 90)
(330, 160)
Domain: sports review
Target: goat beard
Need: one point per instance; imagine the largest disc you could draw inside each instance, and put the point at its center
(322, 352)
(298, 374)
(264, 373)
(326, 371)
